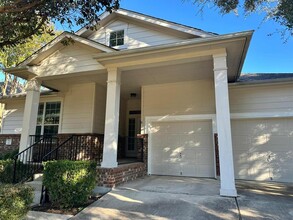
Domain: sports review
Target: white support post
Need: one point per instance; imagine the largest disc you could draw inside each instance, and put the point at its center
(224, 126)
(112, 119)
(29, 123)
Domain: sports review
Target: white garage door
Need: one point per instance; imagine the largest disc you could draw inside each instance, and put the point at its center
(182, 149)
(263, 149)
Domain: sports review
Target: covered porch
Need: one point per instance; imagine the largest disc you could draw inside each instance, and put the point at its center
(121, 104)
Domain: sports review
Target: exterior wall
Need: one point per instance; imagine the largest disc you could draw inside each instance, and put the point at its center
(186, 98)
(13, 114)
(6, 148)
(122, 117)
(100, 109)
(135, 35)
(12, 117)
(71, 59)
(261, 98)
(78, 106)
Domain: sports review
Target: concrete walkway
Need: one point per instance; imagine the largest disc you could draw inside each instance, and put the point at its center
(32, 215)
(158, 197)
(163, 198)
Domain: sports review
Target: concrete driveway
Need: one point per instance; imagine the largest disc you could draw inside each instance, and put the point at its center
(162, 197)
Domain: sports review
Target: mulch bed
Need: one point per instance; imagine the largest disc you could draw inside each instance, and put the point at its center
(48, 207)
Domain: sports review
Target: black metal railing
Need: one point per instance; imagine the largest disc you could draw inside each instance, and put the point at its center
(78, 147)
(29, 161)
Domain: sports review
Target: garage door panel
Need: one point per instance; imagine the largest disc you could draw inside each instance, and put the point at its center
(202, 127)
(269, 154)
(186, 149)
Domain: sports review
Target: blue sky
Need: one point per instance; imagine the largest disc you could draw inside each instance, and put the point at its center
(266, 53)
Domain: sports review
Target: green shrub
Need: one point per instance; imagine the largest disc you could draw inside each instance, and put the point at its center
(6, 171)
(9, 155)
(15, 201)
(69, 183)
(23, 171)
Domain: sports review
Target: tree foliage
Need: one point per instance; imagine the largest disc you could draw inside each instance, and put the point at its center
(21, 19)
(11, 56)
(280, 11)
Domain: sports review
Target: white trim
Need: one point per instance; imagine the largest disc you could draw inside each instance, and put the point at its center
(149, 119)
(44, 112)
(153, 21)
(170, 118)
(252, 115)
(58, 39)
(108, 31)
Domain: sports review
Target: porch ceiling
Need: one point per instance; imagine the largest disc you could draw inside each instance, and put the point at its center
(133, 80)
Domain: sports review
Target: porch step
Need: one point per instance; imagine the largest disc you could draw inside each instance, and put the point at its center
(38, 177)
(37, 198)
(37, 185)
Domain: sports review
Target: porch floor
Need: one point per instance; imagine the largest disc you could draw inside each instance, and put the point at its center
(127, 160)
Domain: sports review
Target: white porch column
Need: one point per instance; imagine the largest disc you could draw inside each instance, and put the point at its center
(112, 119)
(29, 123)
(224, 126)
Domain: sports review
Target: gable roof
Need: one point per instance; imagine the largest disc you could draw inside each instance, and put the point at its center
(50, 47)
(152, 21)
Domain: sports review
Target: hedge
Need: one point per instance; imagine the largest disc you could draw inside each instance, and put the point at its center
(69, 183)
(6, 171)
(9, 155)
(15, 201)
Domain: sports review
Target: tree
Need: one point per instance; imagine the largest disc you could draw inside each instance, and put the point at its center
(11, 56)
(280, 11)
(21, 19)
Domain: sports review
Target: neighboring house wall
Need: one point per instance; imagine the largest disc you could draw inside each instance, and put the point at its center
(135, 35)
(261, 98)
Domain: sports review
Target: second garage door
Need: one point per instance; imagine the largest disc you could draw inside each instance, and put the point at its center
(182, 149)
(263, 149)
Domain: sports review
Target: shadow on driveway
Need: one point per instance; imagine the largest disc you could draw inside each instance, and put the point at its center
(164, 197)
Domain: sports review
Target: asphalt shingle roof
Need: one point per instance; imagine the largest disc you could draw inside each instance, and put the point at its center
(253, 77)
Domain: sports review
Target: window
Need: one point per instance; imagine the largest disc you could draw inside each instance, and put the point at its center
(116, 38)
(48, 118)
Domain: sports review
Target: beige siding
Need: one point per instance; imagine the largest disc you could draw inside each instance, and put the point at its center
(187, 98)
(135, 35)
(13, 114)
(12, 117)
(100, 109)
(122, 117)
(266, 98)
(78, 109)
(71, 59)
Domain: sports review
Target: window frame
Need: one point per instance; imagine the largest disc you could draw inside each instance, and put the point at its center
(42, 125)
(116, 38)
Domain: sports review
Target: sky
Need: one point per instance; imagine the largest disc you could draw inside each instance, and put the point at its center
(266, 54)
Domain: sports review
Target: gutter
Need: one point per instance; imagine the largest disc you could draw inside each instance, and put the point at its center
(15, 69)
(243, 55)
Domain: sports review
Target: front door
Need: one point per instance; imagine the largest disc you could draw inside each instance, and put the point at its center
(133, 130)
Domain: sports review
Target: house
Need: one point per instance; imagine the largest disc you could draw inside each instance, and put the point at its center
(179, 87)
